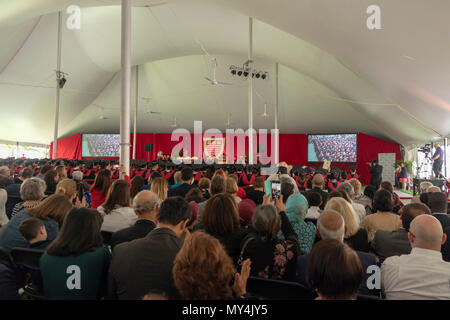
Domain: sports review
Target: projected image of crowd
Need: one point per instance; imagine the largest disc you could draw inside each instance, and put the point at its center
(103, 145)
(336, 148)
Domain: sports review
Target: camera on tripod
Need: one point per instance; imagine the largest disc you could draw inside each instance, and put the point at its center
(425, 149)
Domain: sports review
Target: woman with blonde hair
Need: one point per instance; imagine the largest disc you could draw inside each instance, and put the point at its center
(359, 196)
(160, 186)
(355, 236)
(232, 189)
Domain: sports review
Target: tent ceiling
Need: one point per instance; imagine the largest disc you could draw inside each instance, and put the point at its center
(335, 75)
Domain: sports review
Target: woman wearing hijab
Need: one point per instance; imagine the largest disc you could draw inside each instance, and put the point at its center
(296, 210)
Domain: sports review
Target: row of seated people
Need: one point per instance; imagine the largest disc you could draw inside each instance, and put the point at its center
(147, 233)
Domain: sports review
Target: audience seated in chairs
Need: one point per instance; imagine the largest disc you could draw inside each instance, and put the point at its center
(147, 263)
(33, 231)
(331, 225)
(383, 218)
(146, 205)
(386, 244)
(232, 189)
(51, 180)
(50, 211)
(397, 205)
(359, 197)
(257, 192)
(204, 185)
(195, 195)
(296, 210)
(202, 270)
(75, 265)
(424, 185)
(13, 189)
(422, 274)
(220, 218)
(116, 211)
(287, 189)
(355, 236)
(136, 184)
(334, 271)
(272, 257)
(246, 210)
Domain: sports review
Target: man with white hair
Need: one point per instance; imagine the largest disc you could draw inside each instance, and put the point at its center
(424, 185)
(331, 225)
(422, 274)
(146, 205)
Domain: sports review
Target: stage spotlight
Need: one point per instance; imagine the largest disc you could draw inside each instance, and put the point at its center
(257, 76)
(239, 73)
(233, 72)
(264, 76)
(245, 73)
(253, 74)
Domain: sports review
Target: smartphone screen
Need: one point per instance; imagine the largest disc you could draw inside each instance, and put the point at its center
(268, 188)
(276, 189)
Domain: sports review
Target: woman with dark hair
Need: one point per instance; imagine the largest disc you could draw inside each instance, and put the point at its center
(334, 270)
(116, 211)
(398, 204)
(75, 265)
(271, 256)
(383, 218)
(220, 218)
(51, 180)
(202, 270)
(100, 188)
(136, 184)
(51, 211)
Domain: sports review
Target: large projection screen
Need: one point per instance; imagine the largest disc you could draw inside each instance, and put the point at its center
(100, 145)
(332, 147)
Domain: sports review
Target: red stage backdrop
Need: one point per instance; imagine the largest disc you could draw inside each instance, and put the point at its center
(292, 150)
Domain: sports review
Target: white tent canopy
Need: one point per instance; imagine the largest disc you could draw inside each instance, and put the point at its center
(335, 74)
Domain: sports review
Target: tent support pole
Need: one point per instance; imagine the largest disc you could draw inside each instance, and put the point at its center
(250, 92)
(58, 69)
(135, 112)
(126, 87)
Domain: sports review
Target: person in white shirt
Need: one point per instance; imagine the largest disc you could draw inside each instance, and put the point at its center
(314, 201)
(117, 211)
(422, 274)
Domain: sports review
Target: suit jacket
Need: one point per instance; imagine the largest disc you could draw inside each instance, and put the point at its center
(391, 243)
(375, 179)
(366, 259)
(140, 229)
(142, 265)
(181, 190)
(444, 219)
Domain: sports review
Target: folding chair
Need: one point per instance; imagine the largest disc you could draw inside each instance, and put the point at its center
(27, 261)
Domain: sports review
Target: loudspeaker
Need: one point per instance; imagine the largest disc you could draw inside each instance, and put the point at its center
(148, 147)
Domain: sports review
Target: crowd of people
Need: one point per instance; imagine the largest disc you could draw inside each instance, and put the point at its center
(335, 148)
(102, 145)
(201, 232)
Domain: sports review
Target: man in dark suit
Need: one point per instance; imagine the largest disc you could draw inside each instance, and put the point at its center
(331, 225)
(395, 243)
(318, 184)
(438, 203)
(376, 171)
(146, 205)
(187, 176)
(145, 265)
